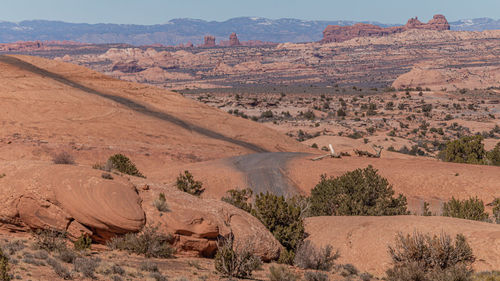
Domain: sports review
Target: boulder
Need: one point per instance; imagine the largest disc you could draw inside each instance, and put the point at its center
(197, 223)
(69, 198)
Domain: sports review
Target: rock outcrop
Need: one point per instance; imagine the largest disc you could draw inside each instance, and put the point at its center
(209, 41)
(197, 223)
(363, 241)
(78, 200)
(127, 67)
(69, 198)
(336, 33)
(21, 46)
(233, 40)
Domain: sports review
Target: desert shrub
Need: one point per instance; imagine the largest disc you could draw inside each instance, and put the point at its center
(124, 165)
(425, 257)
(365, 276)
(361, 192)
(239, 198)
(82, 243)
(86, 266)
(494, 155)
(106, 176)
(231, 262)
(67, 255)
(341, 112)
(281, 273)
(41, 255)
(426, 212)
(59, 269)
(4, 267)
(468, 149)
(116, 278)
(13, 247)
(286, 256)
(469, 209)
(149, 243)
(427, 108)
(49, 240)
(116, 269)
(158, 276)
(309, 115)
(63, 158)
(282, 217)
(309, 256)
(187, 184)
(267, 114)
(315, 276)
(496, 210)
(355, 135)
(161, 203)
(348, 270)
(149, 266)
(31, 260)
(487, 276)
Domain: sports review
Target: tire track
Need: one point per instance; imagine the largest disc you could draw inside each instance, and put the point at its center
(128, 103)
(264, 172)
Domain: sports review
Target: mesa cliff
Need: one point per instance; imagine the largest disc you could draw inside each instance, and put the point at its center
(336, 33)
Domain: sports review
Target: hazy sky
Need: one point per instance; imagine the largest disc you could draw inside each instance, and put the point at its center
(161, 11)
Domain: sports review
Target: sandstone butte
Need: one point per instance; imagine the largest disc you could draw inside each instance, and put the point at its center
(209, 41)
(233, 41)
(336, 33)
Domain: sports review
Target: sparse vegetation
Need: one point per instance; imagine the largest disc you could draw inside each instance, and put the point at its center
(231, 262)
(50, 240)
(309, 256)
(59, 269)
(283, 218)
(4, 267)
(494, 155)
(83, 243)
(469, 209)
(281, 273)
(428, 258)
(468, 150)
(186, 183)
(86, 266)
(149, 243)
(496, 210)
(361, 192)
(239, 198)
(63, 158)
(161, 203)
(124, 165)
(315, 276)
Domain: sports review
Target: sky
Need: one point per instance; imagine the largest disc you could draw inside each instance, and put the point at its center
(161, 11)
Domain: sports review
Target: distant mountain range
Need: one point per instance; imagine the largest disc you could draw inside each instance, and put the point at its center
(190, 30)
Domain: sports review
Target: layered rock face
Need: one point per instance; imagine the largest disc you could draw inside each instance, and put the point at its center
(336, 33)
(21, 46)
(233, 40)
(209, 41)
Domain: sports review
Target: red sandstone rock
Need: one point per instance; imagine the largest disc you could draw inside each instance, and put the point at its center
(209, 41)
(233, 40)
(336, 33)
(127, 67)
(21, 46)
